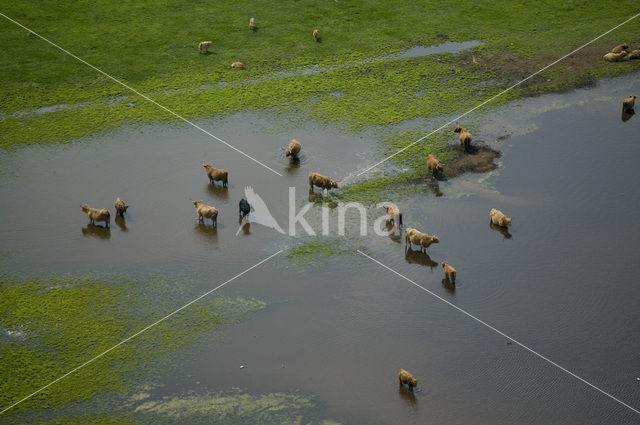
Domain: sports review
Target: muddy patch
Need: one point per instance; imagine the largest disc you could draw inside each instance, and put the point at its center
(569, 75)
(477, 159)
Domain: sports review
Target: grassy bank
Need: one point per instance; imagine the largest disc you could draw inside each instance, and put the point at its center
(154, 50)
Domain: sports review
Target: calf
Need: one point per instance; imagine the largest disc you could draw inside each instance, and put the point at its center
(449, 272)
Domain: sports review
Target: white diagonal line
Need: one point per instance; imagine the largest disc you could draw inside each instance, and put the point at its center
(139, 332)
(502, 334)
(142, 95)
(497, 95)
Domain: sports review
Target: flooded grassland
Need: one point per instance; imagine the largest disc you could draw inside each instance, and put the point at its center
(318, 333)
(327, 328)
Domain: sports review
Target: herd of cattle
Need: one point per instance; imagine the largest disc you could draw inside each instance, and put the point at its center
(203, 46)
(412, 235)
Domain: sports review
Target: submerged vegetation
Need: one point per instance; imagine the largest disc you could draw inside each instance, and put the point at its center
(233, 407)
(229, 407)
(313, 251)
(50, 326)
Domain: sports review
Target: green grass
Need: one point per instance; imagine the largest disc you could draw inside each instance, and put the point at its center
(154, 49)
(59, 323)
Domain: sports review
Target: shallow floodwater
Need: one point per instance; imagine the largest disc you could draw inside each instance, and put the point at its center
(158, 171)
(562, 281)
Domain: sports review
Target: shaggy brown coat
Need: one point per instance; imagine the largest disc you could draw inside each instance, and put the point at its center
(465, 136)
(321, 181)
(120, 206)
(394, 214)
(434, 165)
(237, 65)
(414, 237)
(616, 57)
(620, 48)
(95, 214)
(206, 211)
(316, 34)
(498, 218)
(293, 149)
(634, 54)
(216, 174)
(449, 272)
(629, 103)
(406, 378)
(252, 24)
(203, 46)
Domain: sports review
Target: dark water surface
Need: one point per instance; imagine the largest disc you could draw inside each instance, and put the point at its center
(563, 281)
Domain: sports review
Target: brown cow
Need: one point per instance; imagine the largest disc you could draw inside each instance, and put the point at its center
(616, 57)
(498, 218)
(406, 378)
(465, 136)
(321, 181)
(629, 103)
(620, 48)
(449, 272)
(120, 206)
(423, 240)
(203, 46)
(206, 211)
(216, 174)
(434, 165)
(394, 214)
(95, 214)
(293, 149)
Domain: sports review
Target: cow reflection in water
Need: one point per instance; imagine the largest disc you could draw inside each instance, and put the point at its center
(394, 233)
(626, 115)
(417, 257)
(434, 186)
(245, 225)
(408, 396)
(219, 192)
(450, 287)
(121, 223)
(320, 199)
(95, 231)
(206, 231)
(503, 230)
